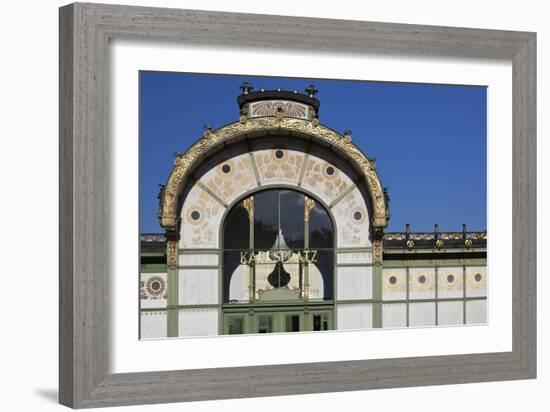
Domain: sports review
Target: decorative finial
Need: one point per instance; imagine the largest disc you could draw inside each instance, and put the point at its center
(207, 130)
(311, 91)
(246, 87)
(347, 135)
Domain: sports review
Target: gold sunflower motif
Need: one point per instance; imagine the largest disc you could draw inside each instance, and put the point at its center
(155, 287)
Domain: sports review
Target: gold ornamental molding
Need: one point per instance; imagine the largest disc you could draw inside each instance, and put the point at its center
(248, 204)
(172, 253)
(185, 162)
(308, 205)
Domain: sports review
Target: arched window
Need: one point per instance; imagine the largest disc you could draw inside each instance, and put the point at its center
(277, 239)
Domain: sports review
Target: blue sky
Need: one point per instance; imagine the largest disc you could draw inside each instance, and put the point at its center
(429, 140)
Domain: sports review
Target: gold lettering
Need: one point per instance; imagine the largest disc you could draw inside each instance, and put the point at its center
(314, 257)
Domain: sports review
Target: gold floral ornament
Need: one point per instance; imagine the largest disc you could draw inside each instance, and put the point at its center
(212, 138)
(308, 205)
(172, 253)
(153, 288)
(248, 204)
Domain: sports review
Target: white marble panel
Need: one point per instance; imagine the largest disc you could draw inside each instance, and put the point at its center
(198, 259)
(450, 282)
(422, 314)
(476, 311)
(421, 283)
(476, 281)
(394, 284)
(324, 179)
(354, 282)
(153, 324)
(394, 315)
(198, 322)
(354, 257)
(275, 170)
(354, 316)
(201, 216)
(198, 286)
(352, 221)
(450, 313)
(232, 178)
(153, 289)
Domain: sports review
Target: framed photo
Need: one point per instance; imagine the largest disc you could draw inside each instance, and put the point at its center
(227, 229)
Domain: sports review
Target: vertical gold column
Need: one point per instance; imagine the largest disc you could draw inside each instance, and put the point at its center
(308, 205)
(173, 285)
(248, 204)
(377, 281)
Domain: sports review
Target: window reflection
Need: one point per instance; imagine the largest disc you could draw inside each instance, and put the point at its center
(279, 249)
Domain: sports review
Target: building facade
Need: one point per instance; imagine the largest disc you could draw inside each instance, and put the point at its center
(276, 223)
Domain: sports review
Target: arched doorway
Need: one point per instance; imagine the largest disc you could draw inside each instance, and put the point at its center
(278, 263)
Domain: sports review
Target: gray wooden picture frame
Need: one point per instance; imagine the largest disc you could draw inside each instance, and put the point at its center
(85, 31)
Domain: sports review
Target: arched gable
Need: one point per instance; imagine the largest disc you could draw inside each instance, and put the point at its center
(184, 164)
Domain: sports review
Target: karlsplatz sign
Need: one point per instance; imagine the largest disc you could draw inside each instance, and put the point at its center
(289, 256)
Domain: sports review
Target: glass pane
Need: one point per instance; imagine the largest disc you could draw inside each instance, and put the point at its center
(292, 323)
(236, 230)
(235, 325)
(265, 324)
(292, 218)
(231, 262)
(320, 322)
(320, 228)
(278, 245)
(316, 322)
(266, 219)
(324, 263)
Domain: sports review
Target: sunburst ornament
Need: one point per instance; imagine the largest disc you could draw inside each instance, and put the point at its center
(155, 287)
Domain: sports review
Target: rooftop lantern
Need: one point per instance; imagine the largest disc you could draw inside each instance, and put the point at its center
(278, 102)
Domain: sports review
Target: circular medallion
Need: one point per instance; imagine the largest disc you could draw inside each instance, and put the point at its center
(155, 286)
(450, 278)
(226, 168)
(422, 279)
(195, 215)
(477, 277)
(393, 280)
